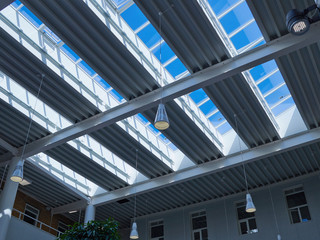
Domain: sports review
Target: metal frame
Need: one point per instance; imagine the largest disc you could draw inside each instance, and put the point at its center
(255, 154)
(218, 72)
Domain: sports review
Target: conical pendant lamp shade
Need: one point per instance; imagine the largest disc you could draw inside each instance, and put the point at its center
(17, 175)
(278, 237)
(161, 122)
(134, 231)
(250, 208)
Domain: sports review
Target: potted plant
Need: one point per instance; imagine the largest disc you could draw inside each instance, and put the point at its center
(93, 230)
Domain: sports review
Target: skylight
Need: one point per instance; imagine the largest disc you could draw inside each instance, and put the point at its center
(75, 58)
(151, 38)
(241, 29)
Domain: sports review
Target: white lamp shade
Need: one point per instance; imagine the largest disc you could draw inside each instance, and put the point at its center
(278, 237)
(161, 122)
(250, 208)
(17, 175)
(134, 232)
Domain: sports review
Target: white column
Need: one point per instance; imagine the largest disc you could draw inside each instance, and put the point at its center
(90, 213)
(7, 198)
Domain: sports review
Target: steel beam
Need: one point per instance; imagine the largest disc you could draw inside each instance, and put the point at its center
(218, 72)
(255, 154)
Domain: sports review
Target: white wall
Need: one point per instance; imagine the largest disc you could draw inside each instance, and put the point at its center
(20, 230)
(177, 222)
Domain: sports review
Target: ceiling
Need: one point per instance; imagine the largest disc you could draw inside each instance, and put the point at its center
(192, 37)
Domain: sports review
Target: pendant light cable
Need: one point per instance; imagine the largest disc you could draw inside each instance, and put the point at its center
(243, 166)
(160, 56)
(135, 192)
(274, 212)
(31, 116)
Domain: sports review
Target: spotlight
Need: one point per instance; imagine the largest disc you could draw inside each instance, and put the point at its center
(297, 22)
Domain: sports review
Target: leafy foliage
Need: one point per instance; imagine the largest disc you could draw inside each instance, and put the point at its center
(93, 230)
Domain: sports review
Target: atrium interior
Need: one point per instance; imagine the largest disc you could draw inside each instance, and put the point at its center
(80, 86)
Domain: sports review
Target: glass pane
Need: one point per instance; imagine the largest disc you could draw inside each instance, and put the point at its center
(166, 52)
(196, 236)
(283, 106)
(29, 219)
(224, 128)
(276, 96)
(296, 199)
(134, 17)
(243, 228)
(236, 18)
(198, 95)
(208, 107)
(305, 215)
(246, 36)
(219, 6)
(252, 225)
(30, 16)
(199, 222)
(157, 231)
(176, 67)
(271, 82)
(216, 118)
(263, 69)
(294, 215)
(149, 36)
(204, 234)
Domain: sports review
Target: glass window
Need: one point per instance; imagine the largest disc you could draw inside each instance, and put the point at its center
(31, 214)
(247, 221)
(62, 227)
(199, 226)
(157, 230)
(297, 205)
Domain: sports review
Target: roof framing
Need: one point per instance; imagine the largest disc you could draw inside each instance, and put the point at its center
(218, 72)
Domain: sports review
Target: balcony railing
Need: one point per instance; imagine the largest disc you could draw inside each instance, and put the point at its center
(22, 216)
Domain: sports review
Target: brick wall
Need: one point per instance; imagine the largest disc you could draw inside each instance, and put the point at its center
(44, 212)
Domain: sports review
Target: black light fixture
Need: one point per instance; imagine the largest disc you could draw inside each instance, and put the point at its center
(298, 22)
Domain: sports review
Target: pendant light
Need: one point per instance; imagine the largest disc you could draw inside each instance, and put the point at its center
(134, 230)
(161, 121)
(17, 175)
(250, 208)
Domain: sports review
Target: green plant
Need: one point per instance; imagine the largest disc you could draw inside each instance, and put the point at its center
(93, 230)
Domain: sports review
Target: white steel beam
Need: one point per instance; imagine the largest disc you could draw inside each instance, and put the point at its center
(216, 73)
(255, 154)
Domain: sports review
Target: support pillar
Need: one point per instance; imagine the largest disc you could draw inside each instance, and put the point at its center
(90, 213)
(7, 198)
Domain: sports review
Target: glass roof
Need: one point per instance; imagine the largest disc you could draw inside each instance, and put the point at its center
(151, 38)
(241, 29)
(70, 53)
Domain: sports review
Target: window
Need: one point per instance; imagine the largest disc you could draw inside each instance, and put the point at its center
(199, 226)
(247, 221)
(156, 230)
(62, 227)
(297, 205)
(31, 214)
